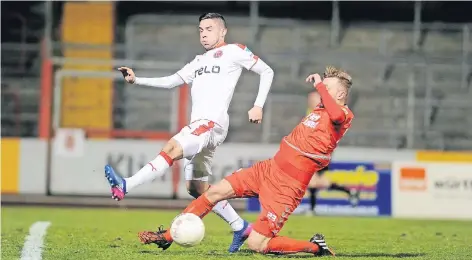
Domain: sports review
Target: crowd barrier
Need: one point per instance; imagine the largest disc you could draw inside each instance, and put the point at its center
(398, 183)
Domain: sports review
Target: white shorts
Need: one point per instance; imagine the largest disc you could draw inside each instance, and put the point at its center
(199, 141)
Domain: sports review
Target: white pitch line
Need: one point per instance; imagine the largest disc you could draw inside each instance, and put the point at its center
(33, 247)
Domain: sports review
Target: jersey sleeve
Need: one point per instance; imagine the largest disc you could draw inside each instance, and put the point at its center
(244, 57)
(187, 73)
(349, 117)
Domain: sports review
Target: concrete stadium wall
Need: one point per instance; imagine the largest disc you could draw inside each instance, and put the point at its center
(393, 182)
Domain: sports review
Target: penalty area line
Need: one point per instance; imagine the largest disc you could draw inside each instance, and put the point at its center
(33, 247)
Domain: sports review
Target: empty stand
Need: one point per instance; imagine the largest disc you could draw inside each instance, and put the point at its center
(385, 64)
(381, 86)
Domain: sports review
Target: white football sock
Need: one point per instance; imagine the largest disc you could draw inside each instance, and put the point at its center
(226, 212)
(148, 173)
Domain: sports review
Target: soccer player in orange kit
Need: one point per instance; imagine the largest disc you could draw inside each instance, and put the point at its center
(281, 182)
(319, 180)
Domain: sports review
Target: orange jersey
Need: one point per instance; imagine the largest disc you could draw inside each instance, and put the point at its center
(317, 134)
(310, 144)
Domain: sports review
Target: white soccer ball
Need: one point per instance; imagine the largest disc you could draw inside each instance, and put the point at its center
(187, 230)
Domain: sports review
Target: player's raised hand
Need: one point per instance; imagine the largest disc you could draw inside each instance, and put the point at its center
(314, 78)
(255, 115)
(128, 74)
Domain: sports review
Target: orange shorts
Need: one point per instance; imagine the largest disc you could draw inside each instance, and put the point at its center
(279, 194)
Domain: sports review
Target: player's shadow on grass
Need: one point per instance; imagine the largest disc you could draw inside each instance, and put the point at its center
(243, 252)
(366, 255)
(399, 255)
(246, 252)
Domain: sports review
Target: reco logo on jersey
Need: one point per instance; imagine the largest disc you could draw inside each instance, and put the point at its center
(207, 70)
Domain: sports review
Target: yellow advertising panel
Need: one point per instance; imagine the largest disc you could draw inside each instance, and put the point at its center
(10, 164)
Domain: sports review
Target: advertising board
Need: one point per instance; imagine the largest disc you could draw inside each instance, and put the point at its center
(372, 180)
(82, 174)
(432, 190)
(23, 166)
(10, 165)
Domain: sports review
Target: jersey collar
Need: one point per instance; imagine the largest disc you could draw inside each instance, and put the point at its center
(218, 46)
(322, 106)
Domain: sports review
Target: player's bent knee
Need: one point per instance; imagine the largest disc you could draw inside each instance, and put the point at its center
(220, 191)
(196, 188)
(173, 149)
(257, 242)
(188, 145)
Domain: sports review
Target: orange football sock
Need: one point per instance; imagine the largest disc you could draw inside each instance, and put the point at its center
(200, 207)
(286, 245)
(167, 236)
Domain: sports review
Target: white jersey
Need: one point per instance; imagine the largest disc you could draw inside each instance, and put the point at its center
(213, 77)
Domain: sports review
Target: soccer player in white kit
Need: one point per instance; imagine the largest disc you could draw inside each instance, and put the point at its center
(213, 76)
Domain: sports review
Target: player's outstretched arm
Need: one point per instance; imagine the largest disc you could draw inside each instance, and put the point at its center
(162, 82)
(171, 81)
(335, 112)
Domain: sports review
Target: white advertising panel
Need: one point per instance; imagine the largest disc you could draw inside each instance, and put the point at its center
(432, 190)
(84, 175)
(32, 168)
(69, 142)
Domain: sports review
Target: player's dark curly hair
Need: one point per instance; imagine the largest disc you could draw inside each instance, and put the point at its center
(212, 16)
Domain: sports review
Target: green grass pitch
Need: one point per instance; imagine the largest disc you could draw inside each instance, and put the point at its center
(112, 234)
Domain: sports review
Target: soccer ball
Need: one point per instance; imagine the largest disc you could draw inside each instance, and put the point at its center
(187, 230)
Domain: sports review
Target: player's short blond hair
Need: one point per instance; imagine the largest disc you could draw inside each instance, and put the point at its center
(344, 77)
